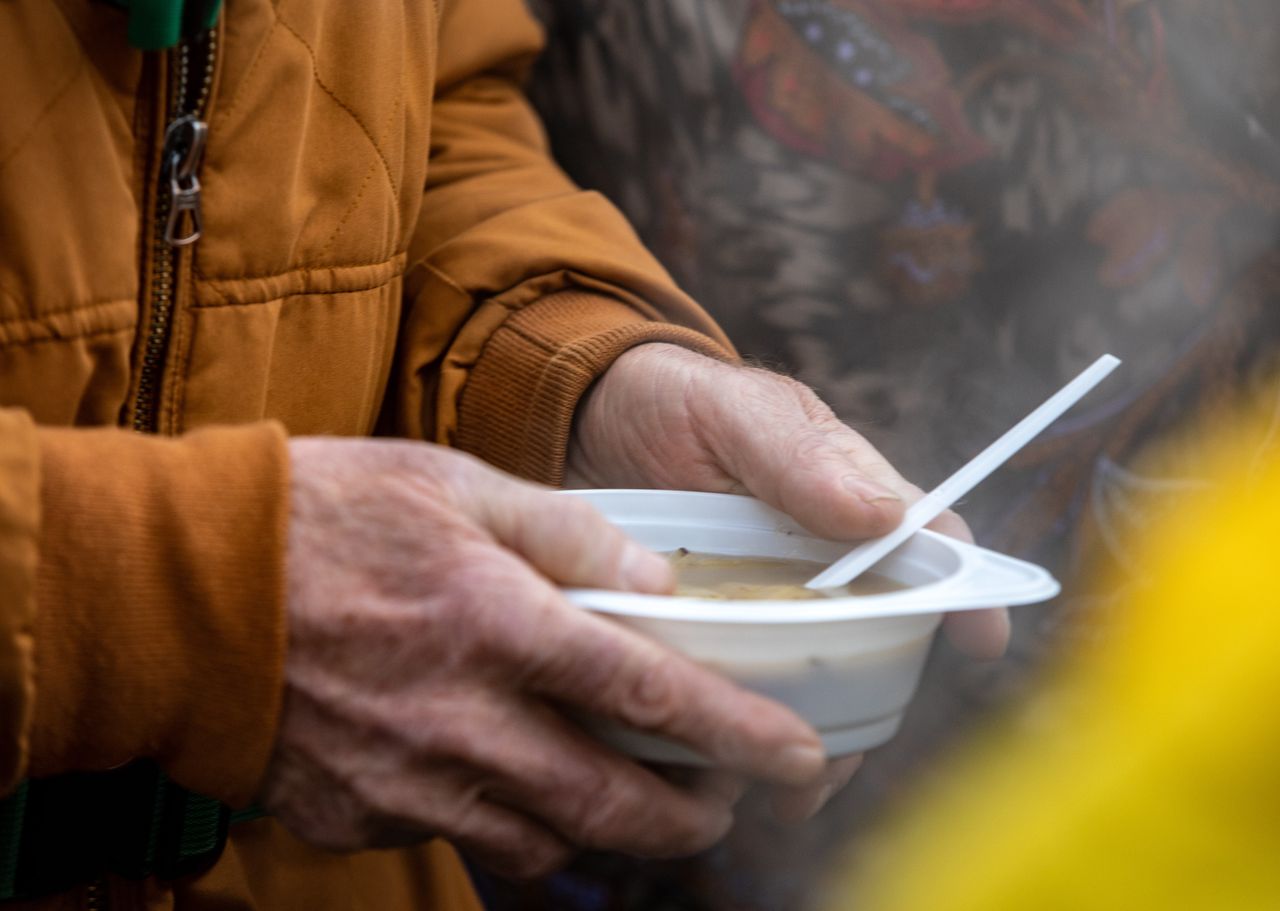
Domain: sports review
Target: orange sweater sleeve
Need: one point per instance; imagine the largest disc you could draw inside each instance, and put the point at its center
(19, 533)
(155, 604)
(521, 288)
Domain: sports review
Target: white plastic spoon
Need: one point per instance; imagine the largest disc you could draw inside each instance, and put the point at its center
(942, 497)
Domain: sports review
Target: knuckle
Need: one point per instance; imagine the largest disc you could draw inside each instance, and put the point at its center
(813, 452)
(650, 700)
(793, 395)
(694, 827)
(453, 738)
(595, 545)
(456, 472)
(477, 565)
(654, 822)
(550, 655)
(539, 857)
(953, 524)
(340, 837)
(725, 787)
(713, 826)
(605, 818)
(461, 815)
(574, 512)
(811, 405)
(581, 790)
(344, 822)
(910, 492)
(484, 604)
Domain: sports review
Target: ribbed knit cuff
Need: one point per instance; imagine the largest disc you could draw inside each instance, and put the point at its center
(160, 630)
(518, 405)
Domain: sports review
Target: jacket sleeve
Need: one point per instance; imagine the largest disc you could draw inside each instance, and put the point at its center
(521, 288)
(19, 532)
(141, 582)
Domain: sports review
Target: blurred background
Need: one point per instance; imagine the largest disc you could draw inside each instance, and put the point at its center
(936, 212)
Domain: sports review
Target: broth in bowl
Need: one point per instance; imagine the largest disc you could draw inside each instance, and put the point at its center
(722, 578)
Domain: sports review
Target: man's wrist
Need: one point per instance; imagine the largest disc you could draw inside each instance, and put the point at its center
(519, 404)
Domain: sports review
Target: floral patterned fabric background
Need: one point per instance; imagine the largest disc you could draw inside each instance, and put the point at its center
(936, 212)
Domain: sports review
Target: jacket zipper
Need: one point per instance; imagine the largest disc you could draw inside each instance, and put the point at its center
(95, 896)
(178, 222)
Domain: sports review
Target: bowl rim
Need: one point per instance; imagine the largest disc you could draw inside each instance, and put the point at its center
(982, 578)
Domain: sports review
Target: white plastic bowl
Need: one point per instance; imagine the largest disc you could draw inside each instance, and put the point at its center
(848, 666)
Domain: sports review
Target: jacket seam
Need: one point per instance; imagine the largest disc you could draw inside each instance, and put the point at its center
(84, 41)
(44, 111)
(315, 74)
(224, 110)
(206, 282)
(96, 333)
(282, 297)
(396, 109)
(8, 295)
(307, 270)
(42, 318)
(448, 280)
(78, 307)
(368, 174)
(351, 208)
(213, 286)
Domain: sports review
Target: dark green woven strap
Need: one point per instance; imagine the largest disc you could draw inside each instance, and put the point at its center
(248, 814)
(158, 24)
(12, 811)
(61, 832)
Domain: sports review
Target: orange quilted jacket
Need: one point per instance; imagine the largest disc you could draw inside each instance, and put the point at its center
(386, 246)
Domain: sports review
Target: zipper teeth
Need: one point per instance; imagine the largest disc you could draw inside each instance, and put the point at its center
(164, 257)
(95, 898)
(144, 415)
(206, 78)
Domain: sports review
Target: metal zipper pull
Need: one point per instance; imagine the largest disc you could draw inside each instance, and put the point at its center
(183, 148)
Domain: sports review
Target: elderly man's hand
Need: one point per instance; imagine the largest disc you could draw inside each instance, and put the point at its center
(430, 655)
(666, 417)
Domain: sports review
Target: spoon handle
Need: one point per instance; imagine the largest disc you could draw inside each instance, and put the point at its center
(941, 498)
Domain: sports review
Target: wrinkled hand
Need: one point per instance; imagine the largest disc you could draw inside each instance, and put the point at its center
(430, 652)
(663, 416)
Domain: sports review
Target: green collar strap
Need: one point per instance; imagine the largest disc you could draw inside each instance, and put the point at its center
(158, 24)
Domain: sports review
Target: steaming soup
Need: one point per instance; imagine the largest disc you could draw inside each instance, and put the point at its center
(760, 578)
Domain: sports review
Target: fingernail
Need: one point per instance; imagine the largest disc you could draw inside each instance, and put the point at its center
(820, 800)
(1003, 634)
(802, 762)
(645, 571)
(869, 491)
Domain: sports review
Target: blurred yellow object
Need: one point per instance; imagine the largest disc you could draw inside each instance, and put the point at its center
(1156, 785)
